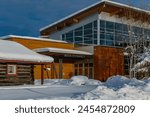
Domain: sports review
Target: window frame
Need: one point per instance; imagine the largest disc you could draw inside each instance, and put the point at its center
(14, 72)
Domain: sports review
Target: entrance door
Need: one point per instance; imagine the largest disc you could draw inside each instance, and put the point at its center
(84, 68)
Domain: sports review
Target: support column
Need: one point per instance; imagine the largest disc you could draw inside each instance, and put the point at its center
(60, 68)
(98, 30)
(42, 75)
(52, 71)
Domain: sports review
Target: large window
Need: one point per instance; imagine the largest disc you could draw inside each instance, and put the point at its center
(86, 34)
(78, 35)
(69, 36)
(119, 34)
(111, 34)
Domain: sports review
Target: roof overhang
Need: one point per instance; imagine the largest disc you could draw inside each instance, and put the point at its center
(113, 8)
(23, 62)
(13, 52)
(64, 53)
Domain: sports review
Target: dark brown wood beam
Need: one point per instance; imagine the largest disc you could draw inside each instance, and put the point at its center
(101, 9)
(76, 20)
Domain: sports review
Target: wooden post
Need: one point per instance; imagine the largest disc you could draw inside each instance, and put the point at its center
(42, 75)
(60, 69)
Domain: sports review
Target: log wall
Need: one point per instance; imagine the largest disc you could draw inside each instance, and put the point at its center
(24, 75)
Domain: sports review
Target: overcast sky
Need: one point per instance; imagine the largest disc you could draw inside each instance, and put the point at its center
(26, 17)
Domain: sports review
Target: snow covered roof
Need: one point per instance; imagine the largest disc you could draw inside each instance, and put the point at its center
(13, 51)
(62, 51)
(31, 38)
(108, 2)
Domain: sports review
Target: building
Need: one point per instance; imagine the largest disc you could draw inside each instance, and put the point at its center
(17, 63)
(104, 25)
(64, 55)
(91, 41)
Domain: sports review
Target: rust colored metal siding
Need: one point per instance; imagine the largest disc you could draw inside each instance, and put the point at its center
(108, 61)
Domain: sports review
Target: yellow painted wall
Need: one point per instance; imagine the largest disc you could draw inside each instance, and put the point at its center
(33, 44)
(68, 71)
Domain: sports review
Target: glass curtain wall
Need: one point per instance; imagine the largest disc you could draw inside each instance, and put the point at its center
(86, 34)
(111, 34)
(117, 34)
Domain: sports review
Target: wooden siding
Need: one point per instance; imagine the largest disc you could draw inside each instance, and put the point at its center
(108, 61)
(24, 75)
(67, 71)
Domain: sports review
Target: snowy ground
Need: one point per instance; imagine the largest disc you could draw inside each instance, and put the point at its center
(81, 88)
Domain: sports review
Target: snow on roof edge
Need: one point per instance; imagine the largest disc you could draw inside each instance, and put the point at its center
(10, 50)
(31, 38)
(67, 51)
(86, 8)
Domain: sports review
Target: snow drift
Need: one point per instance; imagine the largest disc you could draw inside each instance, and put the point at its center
(82, 88)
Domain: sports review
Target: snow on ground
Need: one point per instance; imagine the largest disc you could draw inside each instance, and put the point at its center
(81, 88)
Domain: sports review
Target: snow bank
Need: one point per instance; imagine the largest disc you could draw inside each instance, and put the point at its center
(122, 88)
(82, 88)
(48, 82)
(75, 80)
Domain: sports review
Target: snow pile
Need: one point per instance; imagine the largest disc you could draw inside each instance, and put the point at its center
(75, 80)
(79, 80)
(119, 87)
(116, 82)
(83, 80)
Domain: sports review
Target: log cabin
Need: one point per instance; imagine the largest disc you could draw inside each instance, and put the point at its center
(17, 63)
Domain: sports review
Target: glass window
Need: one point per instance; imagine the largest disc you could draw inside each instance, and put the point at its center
(69, 36)
(118, 37)
(102, 42)
(109, 37)
(88, 26)
(102, 36)
(78, 35)
(95, 32)
(110, 43)
(11, 70)
(102, 23)
(118, 27)
(95, 25)
(109, 26)
(63, 37)
(88, 33)
(125, 29)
